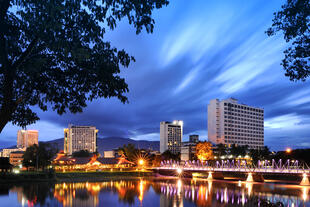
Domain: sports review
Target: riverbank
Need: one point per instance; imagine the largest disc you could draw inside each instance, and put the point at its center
(69, 176)
(100, 176)
(77, 176)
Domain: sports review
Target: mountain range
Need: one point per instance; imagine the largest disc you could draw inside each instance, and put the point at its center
(109, 143)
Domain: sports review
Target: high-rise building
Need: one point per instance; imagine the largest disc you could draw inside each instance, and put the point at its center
(26, 138)
(78, 138)
(171, 136)
(230, 122)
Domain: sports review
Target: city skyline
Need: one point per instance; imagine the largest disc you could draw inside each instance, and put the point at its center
(191, 58)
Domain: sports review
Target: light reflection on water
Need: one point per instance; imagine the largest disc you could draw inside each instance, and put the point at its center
(159, 192)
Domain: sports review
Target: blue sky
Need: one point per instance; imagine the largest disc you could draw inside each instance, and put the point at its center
(198, 52)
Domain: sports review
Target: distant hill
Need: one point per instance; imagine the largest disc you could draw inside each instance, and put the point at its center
(110, 143)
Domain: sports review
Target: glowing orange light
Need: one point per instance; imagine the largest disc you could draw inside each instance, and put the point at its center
(141, 162)
(141, 189)
(288, 150)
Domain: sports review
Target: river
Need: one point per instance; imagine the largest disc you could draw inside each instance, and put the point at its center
(151, 193)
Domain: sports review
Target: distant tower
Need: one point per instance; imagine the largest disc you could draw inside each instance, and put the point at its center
(171, 136)
(78, 138)
(230, 122)
(26, 138)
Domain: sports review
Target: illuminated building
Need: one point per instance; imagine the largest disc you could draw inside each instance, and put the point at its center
(230, 122)
(78, 138)
(7, 152)
(171, 136)
(188, 149)
(26, 138)
(65, 163)
(16, 158)
(110, 154)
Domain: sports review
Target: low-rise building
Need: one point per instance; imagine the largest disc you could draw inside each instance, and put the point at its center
(16, 158)
(188, 149)
(7, 152)
(110, 154)
(65, 163)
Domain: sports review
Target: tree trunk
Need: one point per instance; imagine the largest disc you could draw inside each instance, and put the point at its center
(3, 122)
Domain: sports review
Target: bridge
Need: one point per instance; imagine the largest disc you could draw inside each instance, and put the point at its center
(254, 172)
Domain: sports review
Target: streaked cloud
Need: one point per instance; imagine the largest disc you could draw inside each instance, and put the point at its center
(199, 51)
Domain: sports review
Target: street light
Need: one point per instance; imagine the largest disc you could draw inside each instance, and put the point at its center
(141, 162)
(179, 171)
(288, 150)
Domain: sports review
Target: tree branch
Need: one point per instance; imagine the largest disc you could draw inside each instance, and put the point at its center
(4, 6)
(26, 53)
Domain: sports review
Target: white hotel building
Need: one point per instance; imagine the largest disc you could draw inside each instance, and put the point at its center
(78, 138)
(171, 136)
(230, 122)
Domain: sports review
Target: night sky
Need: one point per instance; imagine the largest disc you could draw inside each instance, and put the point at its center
(198, 52)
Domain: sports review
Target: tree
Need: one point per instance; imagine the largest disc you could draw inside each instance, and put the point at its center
(220, 150)
(38, 156)
(156, 160)
(260, 154)
(238, 150)
(5, 164)
(204, 151)
(129, 151)
(53, 54)
(168, 155)
(81, 153)
(293, 21)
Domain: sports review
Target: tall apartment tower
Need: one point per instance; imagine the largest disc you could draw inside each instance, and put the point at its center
(171, 136)
(78, 138)
(230, 122)
(26, 138)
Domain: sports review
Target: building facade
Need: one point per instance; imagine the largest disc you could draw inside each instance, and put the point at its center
(188, 149)
(78, 138)
(16, 158)
(194, 138)
(171, 136)
(230, 122)
(7, 152)
(26, 138)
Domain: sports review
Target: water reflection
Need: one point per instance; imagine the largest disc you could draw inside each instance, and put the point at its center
(159, 192)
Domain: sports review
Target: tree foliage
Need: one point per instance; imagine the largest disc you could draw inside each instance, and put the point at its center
(5, 164)
(53, 54)
(260, 154)
(168, 155)
(38, 156)
(301, 155)
(129, 151)
(220, 150)
(204, 151)
(238, 150)
(81, 153)
(293, 21)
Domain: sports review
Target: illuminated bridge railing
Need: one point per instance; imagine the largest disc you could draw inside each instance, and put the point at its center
(266, 166)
